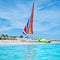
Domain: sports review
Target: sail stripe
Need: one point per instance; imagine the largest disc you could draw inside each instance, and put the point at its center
(27, 26)
(28, 29)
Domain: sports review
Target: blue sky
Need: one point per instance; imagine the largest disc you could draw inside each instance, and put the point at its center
(14, 15)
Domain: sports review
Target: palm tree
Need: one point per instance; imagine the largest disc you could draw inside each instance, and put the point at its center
(0, 37)
(6, 36)
(21, 36)
(13, 37)
(3, 36)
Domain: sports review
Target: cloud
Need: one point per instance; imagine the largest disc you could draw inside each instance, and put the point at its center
(48, 5)
(46, 20)
(4, 22)
(17, 12)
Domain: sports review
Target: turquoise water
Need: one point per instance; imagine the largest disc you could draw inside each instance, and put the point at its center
(30, 52)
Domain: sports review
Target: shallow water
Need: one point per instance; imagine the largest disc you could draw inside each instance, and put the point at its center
(30, 52)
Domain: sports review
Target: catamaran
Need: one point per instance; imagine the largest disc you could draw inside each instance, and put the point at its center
(28, 29)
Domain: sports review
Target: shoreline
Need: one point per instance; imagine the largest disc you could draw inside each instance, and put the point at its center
(17, 42)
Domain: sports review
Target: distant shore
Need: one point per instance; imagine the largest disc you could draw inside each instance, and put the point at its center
(2, 42)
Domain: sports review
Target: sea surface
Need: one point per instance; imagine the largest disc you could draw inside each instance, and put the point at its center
(30, 52)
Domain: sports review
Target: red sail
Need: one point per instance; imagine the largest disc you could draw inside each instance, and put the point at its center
(28, 29)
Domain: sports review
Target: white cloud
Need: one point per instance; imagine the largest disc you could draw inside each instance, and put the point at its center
(5, 29)
(16, 22)
(17, 16)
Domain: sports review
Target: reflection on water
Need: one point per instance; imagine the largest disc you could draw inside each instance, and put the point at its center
(30, 52)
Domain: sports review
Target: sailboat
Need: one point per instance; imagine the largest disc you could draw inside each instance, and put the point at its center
(28, 28)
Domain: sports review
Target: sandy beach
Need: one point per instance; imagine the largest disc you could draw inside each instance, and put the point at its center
(2, 42)
(17, 42)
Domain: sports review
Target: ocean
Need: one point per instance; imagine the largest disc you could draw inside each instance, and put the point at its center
(30, 52)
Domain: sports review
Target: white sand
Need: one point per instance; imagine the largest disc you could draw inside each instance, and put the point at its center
(3, 42)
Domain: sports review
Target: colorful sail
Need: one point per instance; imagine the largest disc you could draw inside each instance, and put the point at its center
(28, 29)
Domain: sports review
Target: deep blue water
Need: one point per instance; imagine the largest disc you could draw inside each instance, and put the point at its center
(30, 52)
